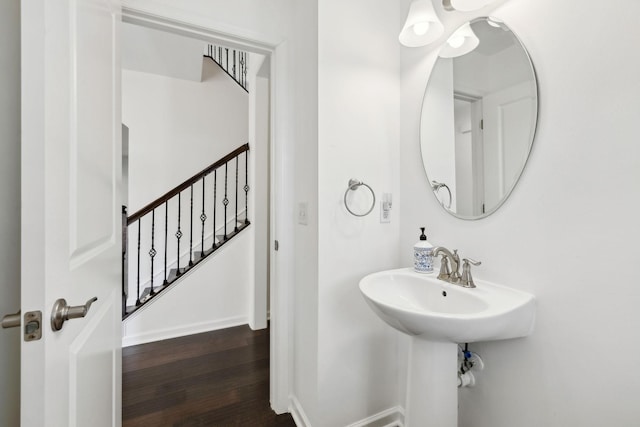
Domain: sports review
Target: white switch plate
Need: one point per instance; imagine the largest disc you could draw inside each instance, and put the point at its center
(303, 213)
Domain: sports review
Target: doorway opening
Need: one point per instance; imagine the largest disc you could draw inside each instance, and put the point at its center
(262, 127)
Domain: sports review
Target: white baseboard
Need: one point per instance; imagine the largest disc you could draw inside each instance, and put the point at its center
(392, 417)
(180, 331)
(299, 417)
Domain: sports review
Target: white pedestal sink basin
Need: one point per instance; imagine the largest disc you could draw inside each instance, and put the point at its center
(439, 315)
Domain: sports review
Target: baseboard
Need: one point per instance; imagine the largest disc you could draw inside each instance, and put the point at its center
(299, 417)
(392, 417)
(190, 329)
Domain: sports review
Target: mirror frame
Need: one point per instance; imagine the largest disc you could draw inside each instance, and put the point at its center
(531, 141)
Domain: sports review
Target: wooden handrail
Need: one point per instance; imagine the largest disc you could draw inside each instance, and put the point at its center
(186, 184)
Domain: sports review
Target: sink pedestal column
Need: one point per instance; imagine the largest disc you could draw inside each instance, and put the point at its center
(432, 384)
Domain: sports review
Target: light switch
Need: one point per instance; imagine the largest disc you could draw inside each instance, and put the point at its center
(303, 213)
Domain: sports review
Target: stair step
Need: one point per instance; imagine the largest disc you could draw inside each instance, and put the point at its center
(173, 274)
(241, 226)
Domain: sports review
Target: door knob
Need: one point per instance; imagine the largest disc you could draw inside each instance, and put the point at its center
(62, 312)
(11, 320)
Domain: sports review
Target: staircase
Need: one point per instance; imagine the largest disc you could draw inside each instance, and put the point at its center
(173, 234)
(233, 62)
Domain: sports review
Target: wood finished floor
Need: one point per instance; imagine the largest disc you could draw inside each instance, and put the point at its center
(218, 378)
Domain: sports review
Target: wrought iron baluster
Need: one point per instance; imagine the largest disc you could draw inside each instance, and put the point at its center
(241, 55)
(227, 67)
(203, 216)
(215, 202)
(191, 231)
(179, 234)
(166, 233)
(152, 251)
(246, 187)
(138, 280)
(236, 217)
(234, 65)
(225, 201)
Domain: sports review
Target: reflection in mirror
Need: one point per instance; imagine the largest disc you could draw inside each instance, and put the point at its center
(478, 121)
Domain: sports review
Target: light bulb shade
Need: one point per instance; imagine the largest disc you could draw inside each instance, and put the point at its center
(469, 5)
(463, 41)
(413, 33)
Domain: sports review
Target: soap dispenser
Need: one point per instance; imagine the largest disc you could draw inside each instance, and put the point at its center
(423, 255)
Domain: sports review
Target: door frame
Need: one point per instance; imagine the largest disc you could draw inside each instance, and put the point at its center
(280, 190)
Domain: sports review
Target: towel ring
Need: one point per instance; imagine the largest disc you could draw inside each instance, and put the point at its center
(436, 188)
(353, 185)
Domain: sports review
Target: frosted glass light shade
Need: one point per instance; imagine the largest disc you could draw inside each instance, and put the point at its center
(422, 25)
(463, 41)
(468, 5)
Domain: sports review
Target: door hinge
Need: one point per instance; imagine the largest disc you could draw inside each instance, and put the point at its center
(276, 245)
(482, 124)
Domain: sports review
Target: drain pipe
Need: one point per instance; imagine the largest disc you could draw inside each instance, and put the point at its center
(468, 361)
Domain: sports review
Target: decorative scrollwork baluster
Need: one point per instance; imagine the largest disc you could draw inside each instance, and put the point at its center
(215, 202)
(246, 187)
(152, 251)
(225, 201)
(235, 220)
(178, 235)
(203, 216)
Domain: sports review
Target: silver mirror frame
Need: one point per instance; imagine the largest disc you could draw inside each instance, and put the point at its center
(530, 145)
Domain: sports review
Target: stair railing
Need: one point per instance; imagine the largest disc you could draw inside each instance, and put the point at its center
(150, 229)
(233, 62)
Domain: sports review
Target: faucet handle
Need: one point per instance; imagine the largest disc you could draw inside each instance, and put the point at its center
(467, 279)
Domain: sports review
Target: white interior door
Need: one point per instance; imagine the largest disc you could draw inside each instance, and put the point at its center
(71, 167)
(507, 114)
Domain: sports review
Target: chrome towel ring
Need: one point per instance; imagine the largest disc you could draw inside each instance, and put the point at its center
(353, 185)
(436, 188)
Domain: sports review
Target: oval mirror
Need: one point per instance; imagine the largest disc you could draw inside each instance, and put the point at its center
(478, 118)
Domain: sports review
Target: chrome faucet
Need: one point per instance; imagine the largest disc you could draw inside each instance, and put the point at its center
(452, 274)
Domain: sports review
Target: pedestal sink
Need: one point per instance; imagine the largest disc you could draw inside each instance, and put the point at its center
(438, 316)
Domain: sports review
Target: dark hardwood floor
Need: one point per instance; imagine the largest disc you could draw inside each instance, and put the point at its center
(218, 378)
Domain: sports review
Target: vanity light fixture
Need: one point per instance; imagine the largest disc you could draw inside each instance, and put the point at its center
(422, 25)
(463, 41)
(465, 5)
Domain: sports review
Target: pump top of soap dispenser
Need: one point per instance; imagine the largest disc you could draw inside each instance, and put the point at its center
(422, 236)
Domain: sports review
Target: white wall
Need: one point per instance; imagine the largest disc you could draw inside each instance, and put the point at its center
(10, 212)
(569, 232)
(359, 124)
(178, 127)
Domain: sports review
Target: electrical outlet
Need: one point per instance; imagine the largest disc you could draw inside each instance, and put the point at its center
(385, 208)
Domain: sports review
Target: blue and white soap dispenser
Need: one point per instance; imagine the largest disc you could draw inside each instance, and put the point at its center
(423, 255)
